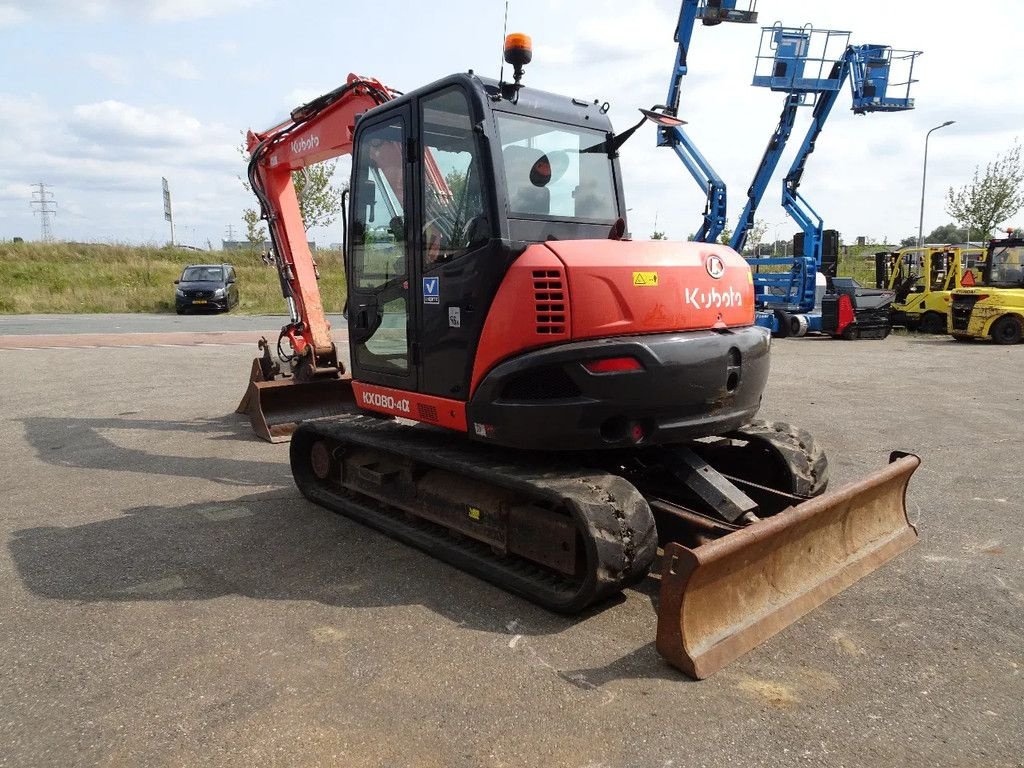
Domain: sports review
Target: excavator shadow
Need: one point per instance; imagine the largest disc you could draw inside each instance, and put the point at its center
(643, 663)
(267, 546)
(81, 443)
(272, 545)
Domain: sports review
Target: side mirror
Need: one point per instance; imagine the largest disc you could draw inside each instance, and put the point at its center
(177, 281)
(231, 279)
(662, 119)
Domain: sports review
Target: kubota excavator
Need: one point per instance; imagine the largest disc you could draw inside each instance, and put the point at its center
(537, 399)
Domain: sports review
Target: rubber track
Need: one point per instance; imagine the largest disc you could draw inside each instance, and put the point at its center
(806, 460)
(620, 536)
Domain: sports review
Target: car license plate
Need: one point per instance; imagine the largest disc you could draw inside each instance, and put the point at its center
(198, 301)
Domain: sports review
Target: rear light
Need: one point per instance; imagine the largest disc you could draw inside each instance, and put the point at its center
(613, 365)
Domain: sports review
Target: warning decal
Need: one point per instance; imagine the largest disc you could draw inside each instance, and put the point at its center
(645, 279)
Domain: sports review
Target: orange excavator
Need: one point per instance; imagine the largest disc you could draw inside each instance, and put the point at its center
(532, 396)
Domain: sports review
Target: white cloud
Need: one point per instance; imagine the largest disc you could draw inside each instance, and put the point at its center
(15, 192)
(115, 121)
(183, 69)
(11, 15)
(184, 10)
(303, 95)
(153, 10)
(104, 160)
(114, 68)
(864, 177)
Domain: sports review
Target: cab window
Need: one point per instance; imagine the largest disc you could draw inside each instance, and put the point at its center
(455, 219)
(1007, 267)
(379, 247)
(378, 217)
(556, 171)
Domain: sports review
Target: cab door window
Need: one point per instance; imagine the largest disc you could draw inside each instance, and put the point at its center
(454, 211)
(379, 249)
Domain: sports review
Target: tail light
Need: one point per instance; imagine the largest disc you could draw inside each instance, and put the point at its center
(613, 365)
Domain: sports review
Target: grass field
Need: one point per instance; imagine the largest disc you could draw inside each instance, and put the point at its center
(59, 278)
(80, 278)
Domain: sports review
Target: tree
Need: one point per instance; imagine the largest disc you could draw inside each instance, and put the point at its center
(992, 196)
(658, 235)
(947, 233)
(756, 235)
(254, 231)
(726, 236)
(319, 202)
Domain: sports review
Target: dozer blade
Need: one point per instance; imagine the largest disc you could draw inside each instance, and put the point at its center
(276, 407)
(725, 597)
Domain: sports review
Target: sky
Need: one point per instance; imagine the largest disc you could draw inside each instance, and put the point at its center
(99, 99)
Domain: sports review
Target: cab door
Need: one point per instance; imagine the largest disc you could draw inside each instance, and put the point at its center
(379, 254)
(460, 265)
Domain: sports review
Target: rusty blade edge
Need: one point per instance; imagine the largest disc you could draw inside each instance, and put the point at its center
(680, 563)
(800, 604)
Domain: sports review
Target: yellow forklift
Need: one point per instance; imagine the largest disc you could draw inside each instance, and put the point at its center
(994, 308)
(923, 278)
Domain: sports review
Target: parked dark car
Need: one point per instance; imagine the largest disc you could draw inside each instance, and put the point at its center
(206, 287)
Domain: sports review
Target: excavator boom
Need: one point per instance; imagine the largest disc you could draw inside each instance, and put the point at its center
(315, 385)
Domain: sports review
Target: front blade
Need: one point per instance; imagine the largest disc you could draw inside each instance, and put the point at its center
(723, 598)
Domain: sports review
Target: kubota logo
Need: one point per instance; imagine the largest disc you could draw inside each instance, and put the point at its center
(305, 145)
(377, 400)
(715, 266)
(699, 299)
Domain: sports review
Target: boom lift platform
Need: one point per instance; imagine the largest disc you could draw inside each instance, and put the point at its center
(811, 67)
(522, 406)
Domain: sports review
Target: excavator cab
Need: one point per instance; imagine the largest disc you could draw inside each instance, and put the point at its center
(471, 177)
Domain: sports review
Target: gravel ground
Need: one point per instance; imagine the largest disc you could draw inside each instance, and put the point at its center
(167, 598)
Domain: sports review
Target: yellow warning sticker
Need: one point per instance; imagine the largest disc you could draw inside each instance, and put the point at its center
(474, 513)
(645, 279)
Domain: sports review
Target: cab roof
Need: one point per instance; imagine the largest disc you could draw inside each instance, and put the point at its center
(531, 102)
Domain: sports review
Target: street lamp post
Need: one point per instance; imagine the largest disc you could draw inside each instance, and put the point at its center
(774, 227)
(924, 177)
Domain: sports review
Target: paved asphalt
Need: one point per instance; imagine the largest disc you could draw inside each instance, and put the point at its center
(167, 598)
(64, 324)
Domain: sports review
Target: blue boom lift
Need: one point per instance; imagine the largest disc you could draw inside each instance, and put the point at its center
(811, 66)
(670, 131)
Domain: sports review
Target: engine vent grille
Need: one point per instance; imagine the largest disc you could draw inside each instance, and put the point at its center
(963, 306)
(427, 412)
(549, 297)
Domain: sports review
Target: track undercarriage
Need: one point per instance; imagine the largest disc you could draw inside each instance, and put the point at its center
(568, 530)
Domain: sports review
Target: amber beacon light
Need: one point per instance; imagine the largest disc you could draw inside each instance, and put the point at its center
(518, 52)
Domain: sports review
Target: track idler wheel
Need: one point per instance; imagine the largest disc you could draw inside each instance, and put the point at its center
(320, 460)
